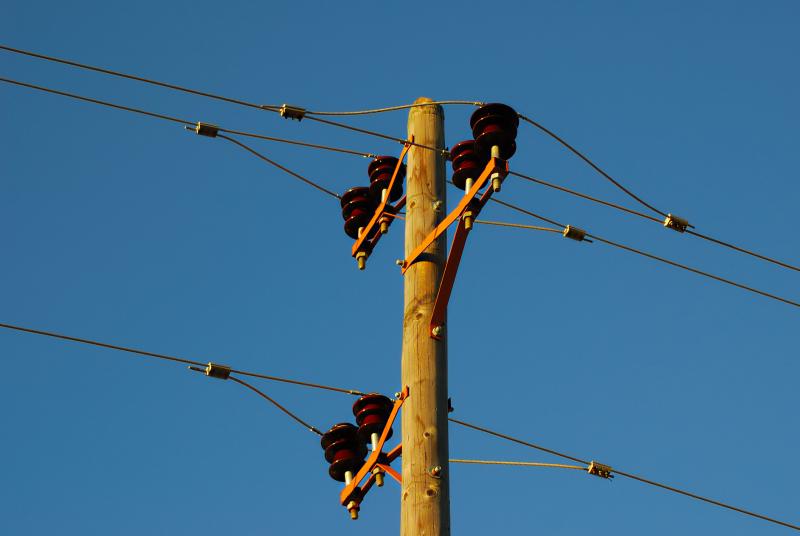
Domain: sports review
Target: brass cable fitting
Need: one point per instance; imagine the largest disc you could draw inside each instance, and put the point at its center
(676, 223)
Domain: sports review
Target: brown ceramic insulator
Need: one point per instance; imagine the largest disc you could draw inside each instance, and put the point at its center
(372, 413)
(357, 210)
(467, 162)
(380, 172)
(495, 124)
(344, 451)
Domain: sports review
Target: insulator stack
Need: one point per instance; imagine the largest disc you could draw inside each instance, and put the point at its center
(344, 450)
(357, 210)
(380, 175)
(372, 413)
(468, 163)
(494, 127)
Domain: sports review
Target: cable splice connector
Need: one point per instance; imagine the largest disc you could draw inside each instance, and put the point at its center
(213, 370)
(288, 111)
(574, 233)
(205, 129)
(598, 469)
(676, 223)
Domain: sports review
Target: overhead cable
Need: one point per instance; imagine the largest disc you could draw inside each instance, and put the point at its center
(520, 464)
(184, 121)
(400, 107)
(653, 257)
(594, 166)
(139, 79)
(267, 107)
(279, 166)
(174, 358)
(625, 474)
(651, 218)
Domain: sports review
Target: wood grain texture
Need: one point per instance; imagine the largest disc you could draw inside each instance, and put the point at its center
(425, 499)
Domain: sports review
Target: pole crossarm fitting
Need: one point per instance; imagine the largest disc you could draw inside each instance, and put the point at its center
(465, 212)
(367, 240)
(377, 464)
(495, 169)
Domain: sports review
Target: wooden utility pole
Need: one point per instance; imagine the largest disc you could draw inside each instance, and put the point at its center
(425, 500)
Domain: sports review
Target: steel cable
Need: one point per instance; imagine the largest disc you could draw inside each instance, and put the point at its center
(625, 474)
(651, 218)
(594, 166)
(174, 358)
(276, 404)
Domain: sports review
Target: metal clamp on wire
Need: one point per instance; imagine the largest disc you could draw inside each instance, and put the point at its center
(214, 370)
(599, 469)
(676, 223)
(292, 112)
(574, 233)
(205, 129)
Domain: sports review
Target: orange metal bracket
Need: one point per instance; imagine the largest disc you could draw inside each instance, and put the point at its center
(495, 165)
(379, 211)
(375, 458)
(454, 258)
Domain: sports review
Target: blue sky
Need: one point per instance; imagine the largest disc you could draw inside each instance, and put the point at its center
(133, 231)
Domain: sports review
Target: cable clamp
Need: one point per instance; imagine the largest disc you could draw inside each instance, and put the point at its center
(676, 223)
(599, 469)
(214, 370)
(575, 233)
(206, 129)
(292, 112)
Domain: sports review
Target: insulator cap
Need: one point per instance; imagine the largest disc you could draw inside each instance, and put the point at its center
(343, 450)
(468, 162)
(495, 124)
(357, 210)
(380, 172)
(372, 413)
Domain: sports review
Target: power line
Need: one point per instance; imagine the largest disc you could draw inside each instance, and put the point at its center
(520, 464)
(273, 402)
(277, 165)
(584, 196)
(97, 101)
(400, 107)
(625, 474)
(184, 121)
(139, 79)
(693, 270)
(651, 218)
(586, 159)
(519, 226)
(267, 107)
(654, 257)
(173, 358)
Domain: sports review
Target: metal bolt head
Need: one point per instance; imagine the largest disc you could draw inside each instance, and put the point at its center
(398, 394)
(437, 205)
(437, 330)
(436, 471)
(399, 262)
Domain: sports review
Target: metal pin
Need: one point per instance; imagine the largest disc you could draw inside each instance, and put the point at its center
(468, 186)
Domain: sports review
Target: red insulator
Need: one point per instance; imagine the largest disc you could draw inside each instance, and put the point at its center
(357, 209)
(343, 450)
(468, 162)
(380, 175)
(372, 413)
(495, 124)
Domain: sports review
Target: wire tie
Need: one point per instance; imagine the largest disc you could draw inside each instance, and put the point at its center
(599, 469)
(676, 223)
(288, 111)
